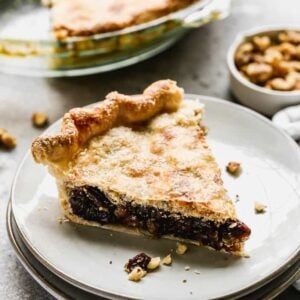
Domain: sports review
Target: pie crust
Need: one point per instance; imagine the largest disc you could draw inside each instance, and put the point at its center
(141, 164)
(86, 17)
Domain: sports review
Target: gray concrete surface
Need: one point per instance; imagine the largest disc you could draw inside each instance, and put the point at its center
(197, 63)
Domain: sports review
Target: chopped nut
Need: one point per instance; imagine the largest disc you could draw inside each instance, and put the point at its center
(136, 274)
(181, 248)
(232, 225)
(233, 167)
(167, 260)
(290, 36)
(260, 208)
(197, 272)
(187, 268)
(39, 119)
(7, 139)
(269, 61)
(140, 260)
(243, 54)
(154, 263)
(258, 72)
(261, 42)
(283, 84)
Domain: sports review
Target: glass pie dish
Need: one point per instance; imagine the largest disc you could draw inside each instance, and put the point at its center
(27, 46)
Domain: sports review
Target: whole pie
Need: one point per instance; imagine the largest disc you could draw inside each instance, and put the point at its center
(86, 17)
(141, 164)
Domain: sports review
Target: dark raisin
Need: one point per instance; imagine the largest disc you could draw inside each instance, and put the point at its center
(141, 260)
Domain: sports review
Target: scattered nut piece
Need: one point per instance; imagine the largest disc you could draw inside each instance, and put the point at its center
(39, 119)
(136, 274)
(181, 248)
(197, 272)
(167, 260)
(7, 139)
(260, 208)
(154, 263)
(233, 168)
(187, 268)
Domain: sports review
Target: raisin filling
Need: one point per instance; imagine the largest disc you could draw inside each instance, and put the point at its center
(91, 204)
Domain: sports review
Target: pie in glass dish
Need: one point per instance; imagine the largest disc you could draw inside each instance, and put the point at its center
(87, 17)
(141, 164)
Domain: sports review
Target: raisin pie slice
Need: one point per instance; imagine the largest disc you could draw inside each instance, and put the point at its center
(141, 164)
(86, 17)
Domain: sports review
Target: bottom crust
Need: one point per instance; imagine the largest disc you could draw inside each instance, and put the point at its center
(237, 250)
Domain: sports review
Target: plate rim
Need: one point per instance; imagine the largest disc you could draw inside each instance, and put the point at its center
(295, 256)
(37, 276)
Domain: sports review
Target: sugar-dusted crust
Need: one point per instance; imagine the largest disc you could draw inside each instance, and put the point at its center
(147, 149)
(86, 17)
(81, 124)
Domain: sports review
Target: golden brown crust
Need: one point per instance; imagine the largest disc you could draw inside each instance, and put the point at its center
(80, 124)
(86, 17)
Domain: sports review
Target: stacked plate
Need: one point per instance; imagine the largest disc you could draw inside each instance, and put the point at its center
(84, 263)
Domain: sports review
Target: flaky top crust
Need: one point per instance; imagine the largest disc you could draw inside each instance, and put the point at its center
(86, 17)
(164, 162)
(81, 124)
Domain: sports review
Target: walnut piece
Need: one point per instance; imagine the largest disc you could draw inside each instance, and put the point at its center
(167, 260)
(262, 42)
(259, 208)
(137, 274)
(283, 84)
(181, 248)
(39, 119)
(233, 168)
(258, 72)
(268, 61)
(154, 263)
(7, 139)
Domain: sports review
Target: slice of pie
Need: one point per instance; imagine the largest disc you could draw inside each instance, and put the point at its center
(86, 17)
(141, 164)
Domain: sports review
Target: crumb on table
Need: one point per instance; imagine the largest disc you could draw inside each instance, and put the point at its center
(39, 119)
(7, 140)
(137, 274)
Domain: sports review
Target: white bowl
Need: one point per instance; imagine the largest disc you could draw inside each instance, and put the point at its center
(259, 98)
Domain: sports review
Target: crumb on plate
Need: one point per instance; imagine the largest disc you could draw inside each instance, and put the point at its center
(233, 168)
(137, 274)
(260, 208)
(154, 263)
(181, 248)
(167, 260)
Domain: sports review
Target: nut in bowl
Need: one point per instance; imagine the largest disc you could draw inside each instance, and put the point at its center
(264, 66)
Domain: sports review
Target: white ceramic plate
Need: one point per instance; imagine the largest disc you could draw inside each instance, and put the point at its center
(81, 256)
(60, 289)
